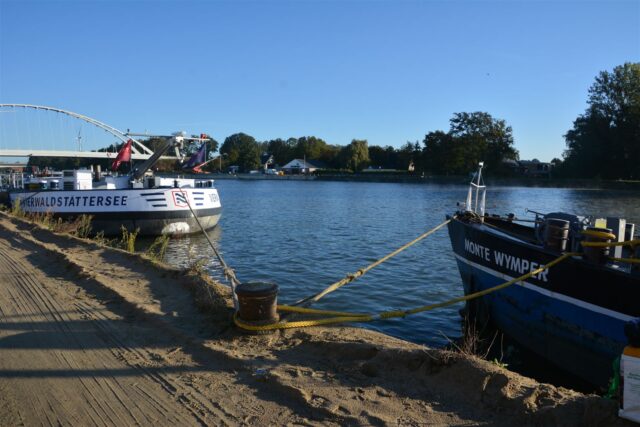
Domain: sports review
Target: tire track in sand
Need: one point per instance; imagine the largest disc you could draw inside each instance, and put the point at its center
(59, 360)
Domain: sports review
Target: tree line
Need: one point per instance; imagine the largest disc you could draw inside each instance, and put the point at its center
(472, 137)
(604, 142)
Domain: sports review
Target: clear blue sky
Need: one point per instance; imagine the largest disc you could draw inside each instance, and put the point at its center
(388, 72)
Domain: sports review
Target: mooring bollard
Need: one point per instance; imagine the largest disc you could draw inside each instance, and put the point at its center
(556, 234)
(257, 303)
(597, 255)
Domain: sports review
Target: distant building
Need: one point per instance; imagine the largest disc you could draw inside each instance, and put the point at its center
(533, 168)
(299, 166)
(267, 160)
(14, 167)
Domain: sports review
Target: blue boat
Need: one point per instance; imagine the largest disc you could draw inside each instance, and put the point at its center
(572, 314)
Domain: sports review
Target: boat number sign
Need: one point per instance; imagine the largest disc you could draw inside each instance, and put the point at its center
(73, 201)
(501, 259)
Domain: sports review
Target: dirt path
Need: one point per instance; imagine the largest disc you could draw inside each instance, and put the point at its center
(94, 336)
(66, 359)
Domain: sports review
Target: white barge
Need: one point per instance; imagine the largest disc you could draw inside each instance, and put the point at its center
(155, 205)
(139, 200)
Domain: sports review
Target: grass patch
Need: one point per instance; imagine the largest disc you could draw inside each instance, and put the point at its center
(158, 248)
(46, 219)
(16, 208)
(82, 226)
(128, 239)
(476, 342)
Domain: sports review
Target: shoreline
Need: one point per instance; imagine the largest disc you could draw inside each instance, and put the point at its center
(579, 184)
(153, 333)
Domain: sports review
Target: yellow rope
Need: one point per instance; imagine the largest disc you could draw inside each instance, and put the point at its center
(353, 276)
(299, 323)
(495, 288)
(598, 234)
(342, 317)
(610, 244)
(303, 310)
(628, 260)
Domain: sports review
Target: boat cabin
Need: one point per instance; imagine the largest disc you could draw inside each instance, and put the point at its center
(83, 179)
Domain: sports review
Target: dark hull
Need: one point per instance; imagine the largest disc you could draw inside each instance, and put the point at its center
(152, 223)
(573, 315)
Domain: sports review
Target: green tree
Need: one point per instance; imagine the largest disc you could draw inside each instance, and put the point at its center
(472, 137)
(439, 146)
(309, 147)
(242, 150)
(281, 150)
(605, 140)
(407, 155)
(355, 156)
(383, 157)
(484, 139)
(330, 156)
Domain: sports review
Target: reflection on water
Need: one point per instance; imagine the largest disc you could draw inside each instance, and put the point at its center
(306, 235)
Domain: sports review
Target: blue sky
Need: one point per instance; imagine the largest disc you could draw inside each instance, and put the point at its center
(384, 71)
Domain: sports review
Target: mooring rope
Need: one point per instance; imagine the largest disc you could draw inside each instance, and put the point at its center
(306, 302)
(343, 317)
(228, 271)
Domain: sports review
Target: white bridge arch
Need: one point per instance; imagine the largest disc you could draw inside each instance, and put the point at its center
(138, 150)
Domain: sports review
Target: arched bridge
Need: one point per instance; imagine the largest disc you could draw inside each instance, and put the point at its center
(36, 134)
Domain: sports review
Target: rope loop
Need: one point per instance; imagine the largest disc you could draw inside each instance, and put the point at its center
(599, 234)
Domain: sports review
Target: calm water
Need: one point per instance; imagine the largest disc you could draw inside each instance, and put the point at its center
(306, 235)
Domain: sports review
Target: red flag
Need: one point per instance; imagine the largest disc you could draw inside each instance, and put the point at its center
(124, 155)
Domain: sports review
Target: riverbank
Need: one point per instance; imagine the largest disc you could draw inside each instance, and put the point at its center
(95, 335)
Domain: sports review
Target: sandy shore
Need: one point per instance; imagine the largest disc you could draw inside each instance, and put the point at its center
(96, 336)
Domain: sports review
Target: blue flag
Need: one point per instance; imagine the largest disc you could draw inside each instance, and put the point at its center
(197, 157)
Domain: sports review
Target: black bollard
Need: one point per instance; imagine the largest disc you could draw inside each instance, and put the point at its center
(257, 304)
(556, 234)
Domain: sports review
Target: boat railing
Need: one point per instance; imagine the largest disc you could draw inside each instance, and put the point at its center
(11, 180)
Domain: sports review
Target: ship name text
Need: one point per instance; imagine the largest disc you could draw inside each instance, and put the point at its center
(501, 259)
(73, 201)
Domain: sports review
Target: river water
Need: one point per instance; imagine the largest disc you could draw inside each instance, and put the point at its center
(305, 235)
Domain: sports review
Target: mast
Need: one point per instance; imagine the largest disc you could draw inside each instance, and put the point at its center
(476, 204)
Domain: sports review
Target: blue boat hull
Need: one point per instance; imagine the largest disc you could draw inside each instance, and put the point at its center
(556, 315)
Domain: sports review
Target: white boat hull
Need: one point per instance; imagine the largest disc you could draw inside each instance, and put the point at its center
(153, 211)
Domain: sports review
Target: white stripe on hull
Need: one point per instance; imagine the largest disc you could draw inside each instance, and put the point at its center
(548, 293)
